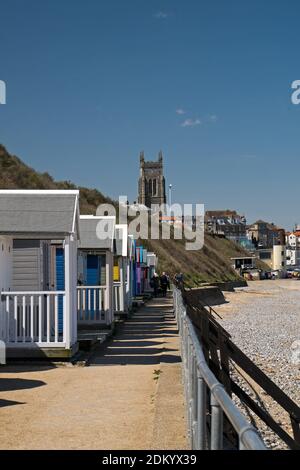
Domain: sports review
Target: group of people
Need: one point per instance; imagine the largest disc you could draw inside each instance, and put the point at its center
(160, 283)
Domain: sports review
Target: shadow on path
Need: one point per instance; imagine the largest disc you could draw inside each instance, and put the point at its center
(8, 385)
(140, 340)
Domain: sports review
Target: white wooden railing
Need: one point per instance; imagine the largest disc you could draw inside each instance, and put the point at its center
(118, 297)
(33, 317)
(92, 304)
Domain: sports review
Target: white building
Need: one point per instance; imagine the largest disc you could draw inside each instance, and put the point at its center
(293, 248)
(279, 258)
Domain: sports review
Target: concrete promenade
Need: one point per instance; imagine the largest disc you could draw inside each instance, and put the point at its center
(129, 397)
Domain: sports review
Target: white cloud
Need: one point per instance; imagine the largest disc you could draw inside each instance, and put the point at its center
(161, 15)
(191, 123)
(213, 118)
(180, 111)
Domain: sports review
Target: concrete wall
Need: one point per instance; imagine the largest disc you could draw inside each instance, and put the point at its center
(209, 295)
(230, 285)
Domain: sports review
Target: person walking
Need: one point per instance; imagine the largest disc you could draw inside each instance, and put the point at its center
(169, 283)
(155, 284)
(179, 280)
(164, 283)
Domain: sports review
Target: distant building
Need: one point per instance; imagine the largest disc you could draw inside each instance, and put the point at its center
(227, 223)
(291, 257)
(293, 248)
(279, 258)
(266, 255)
(293, 239)
(152, 190)
(192, 221)
(170, 219)
(265, 235)
(243, 262)
(275, 257)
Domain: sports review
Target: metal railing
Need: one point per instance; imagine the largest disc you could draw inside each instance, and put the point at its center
(206, 396)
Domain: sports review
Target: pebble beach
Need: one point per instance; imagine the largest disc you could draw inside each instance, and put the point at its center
(264, 321)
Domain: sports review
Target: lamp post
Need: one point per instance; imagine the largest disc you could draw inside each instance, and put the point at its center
(170, 197)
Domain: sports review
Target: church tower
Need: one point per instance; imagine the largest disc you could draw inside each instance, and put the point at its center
(151, 182)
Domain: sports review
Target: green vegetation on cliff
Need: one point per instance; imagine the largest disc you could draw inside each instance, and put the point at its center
(210, 264)
(14, 174)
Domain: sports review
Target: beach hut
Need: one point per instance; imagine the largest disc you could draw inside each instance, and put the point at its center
(140, 270)
(150, 270)
(37, 314)
(95, 270)
(121, 270)
(130, 270)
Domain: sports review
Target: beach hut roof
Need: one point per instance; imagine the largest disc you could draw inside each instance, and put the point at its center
(39, 213)
(97, 232)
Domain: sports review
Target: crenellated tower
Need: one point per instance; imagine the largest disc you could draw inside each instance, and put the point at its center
(151, 182)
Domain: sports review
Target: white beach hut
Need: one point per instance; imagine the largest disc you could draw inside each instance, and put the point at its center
(37, 318)
(95, 270)
(123, 270)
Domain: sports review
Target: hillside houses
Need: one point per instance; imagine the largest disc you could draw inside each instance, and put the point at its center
(264, 234)
(293, 248)
(227, 223)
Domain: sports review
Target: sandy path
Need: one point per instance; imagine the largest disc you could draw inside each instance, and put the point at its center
(116, 403)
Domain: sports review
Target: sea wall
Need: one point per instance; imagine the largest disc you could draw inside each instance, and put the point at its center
(230, 285)
(208, 295)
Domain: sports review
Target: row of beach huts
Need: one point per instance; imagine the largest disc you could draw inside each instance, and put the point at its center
(62, 273)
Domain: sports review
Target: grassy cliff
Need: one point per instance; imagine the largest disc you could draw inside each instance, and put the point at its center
(212, 263)
(15, 174)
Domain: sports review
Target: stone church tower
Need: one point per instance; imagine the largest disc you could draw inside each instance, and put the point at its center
(151, 182)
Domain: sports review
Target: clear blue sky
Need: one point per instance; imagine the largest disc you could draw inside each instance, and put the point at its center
(91, 83)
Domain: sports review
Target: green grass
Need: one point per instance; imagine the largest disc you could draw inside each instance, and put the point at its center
(210, 264)
(14, 174)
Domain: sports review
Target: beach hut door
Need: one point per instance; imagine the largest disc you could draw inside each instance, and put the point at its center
(60, 284)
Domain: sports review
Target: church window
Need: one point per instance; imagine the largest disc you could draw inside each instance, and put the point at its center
(154, 188)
